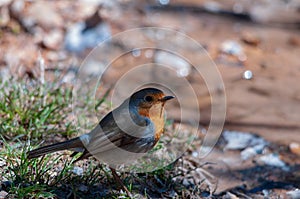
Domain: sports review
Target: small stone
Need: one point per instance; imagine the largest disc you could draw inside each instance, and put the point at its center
(273, 160)
(136, 52)
(248, 153)
(2, 163)
(17, 6)
(248, 75)
(231, 196)
(232, 47)
(185, 182)
(44, 14)
(250, 39)
(195, 154)
(53, 40)
(294, 194)
(77, 40)
(77, 170)
(240, 140)
(3, 194)
(294, 41)
(266, 193)
(295, 148)
(164, 2)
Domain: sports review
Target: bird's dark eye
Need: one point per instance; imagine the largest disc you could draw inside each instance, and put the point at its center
(148, 98)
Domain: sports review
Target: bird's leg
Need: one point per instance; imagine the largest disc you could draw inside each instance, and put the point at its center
(119, 181)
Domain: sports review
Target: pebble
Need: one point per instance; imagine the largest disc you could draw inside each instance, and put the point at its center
(294, 41)
(250, 39)
(44, 14)
(164, 2)
(295, 148)
(2, 163)
(77, 40)
(3, 194)
(266, 193)
(232, 47)
(237, 140)
(231, 196)
(252, 151)
(294, 194)
(53, 39)
(17, 6)
(273, 160)
(77, 170)
(195, 154)
(248, 75)
(187, 182)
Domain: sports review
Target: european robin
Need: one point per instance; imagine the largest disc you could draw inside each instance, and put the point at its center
(135, 126)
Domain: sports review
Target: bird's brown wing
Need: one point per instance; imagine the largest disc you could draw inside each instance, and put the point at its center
(108, 135)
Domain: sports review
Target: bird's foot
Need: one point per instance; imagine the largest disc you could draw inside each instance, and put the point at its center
(120, 183)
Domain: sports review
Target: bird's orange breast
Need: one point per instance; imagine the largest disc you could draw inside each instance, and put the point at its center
(156, 115)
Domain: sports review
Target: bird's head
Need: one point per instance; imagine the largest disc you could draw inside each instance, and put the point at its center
(149, 97)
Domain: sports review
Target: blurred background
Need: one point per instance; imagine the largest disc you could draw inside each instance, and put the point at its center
(255, 44)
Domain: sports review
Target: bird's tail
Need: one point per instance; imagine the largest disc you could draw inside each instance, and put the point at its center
(69, 144)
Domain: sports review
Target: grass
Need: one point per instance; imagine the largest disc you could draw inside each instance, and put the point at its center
(31, 112)
(43, 177)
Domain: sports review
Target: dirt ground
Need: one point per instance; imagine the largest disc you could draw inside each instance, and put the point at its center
(266, 105)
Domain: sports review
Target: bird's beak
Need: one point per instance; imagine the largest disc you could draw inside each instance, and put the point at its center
(166, 98)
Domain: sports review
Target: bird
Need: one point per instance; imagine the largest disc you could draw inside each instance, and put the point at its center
(133, 128)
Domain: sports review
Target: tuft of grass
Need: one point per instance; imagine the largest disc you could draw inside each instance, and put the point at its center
(30, 178)
(46, 177)
(34, 110)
